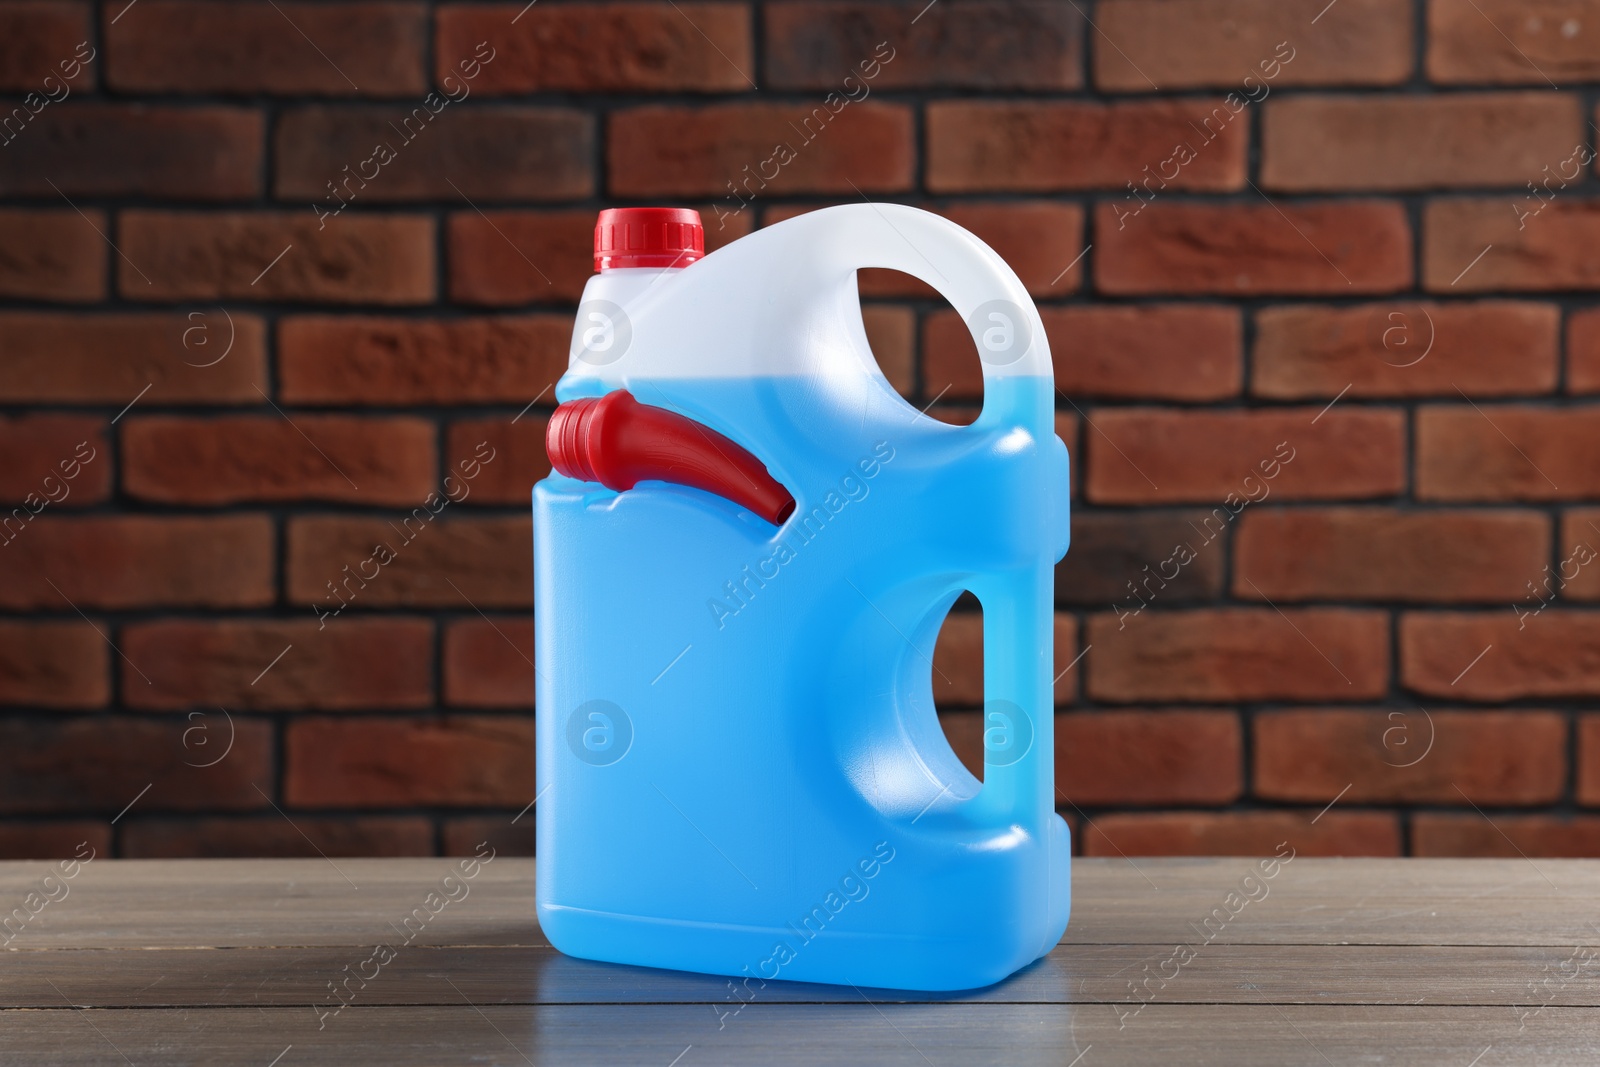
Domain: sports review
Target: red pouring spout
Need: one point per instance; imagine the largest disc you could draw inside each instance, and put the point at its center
(619, 442)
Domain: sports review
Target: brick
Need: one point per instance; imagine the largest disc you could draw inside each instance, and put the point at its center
(96, 763)
(39, 39)
(1042, 241)
(1504, 452)
(463, 836)
(517, 458)
(497, 153)
(490, 561)
(963, 729)
(146, 150)
(1486, 348)
(1196, 44)
(392, 362)
(456, 761)
(518, 257)
(598, 48)
(1342, 248)
(371, 259)
(52, 458)
(892, 333)
(1149, 757)
(209, 357)
(1039, 239)
(1182, 352)
(1487, 656)
(1550, 250)
(330, 664)
(1242, 833)
(1232, 654)
(727, 150)
(1491, 757)
(1511, 42)
(1111, 549)
(501, 258)
(271, 458)
(488, 663)
(1388, 554)
(1152, 455)
(137, 561)
(53, 840)
(1507, 837)
(53, 665)
(1570, 574)
(957, 44)
(1040, 146)
(52, 255)
(271, 835)
(1583, 351)
(281, 49)
(958, 660)
(1413, 142)
(1587, 787)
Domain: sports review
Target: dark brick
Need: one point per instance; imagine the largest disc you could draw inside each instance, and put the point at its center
(281, 48)
(62, 459)
(165, 153)
(1046, 146)
(272, 835)
(456, 761)
(41, 38)
(361, 360)
(489, 561)
(209, 357)
(53, 665)
(1233, 654)
(708, 151)
(1491, 758)
(1242, 833)
(954, 44)
(498, 153)
(373, 259)
(1109, 550)
(488, 662)
(103, 764)
(1342, 248)
(519, 458)
(335, 663)
(597, 48)
(462, 836)
(137, 561)
(53, 840)
(53, 255)
(271, 458)
(1178, 352)
(1410, 141)
(1196, 44)
(1149, 757)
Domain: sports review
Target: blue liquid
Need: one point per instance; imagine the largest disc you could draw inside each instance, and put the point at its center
(740, 767)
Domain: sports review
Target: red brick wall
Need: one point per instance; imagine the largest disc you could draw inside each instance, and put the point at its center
(1324, 267)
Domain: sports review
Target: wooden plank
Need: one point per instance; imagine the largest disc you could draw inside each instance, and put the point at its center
(263, 903)
(911, 1034)
(257, 903)
(1124, 976)
(1338, 901)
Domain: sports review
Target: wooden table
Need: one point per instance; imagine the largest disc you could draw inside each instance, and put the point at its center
(1469, 963)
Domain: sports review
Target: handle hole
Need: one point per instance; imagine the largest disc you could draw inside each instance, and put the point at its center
(958, 681)
(901, 315)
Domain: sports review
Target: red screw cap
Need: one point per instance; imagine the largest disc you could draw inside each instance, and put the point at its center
(648, 237)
